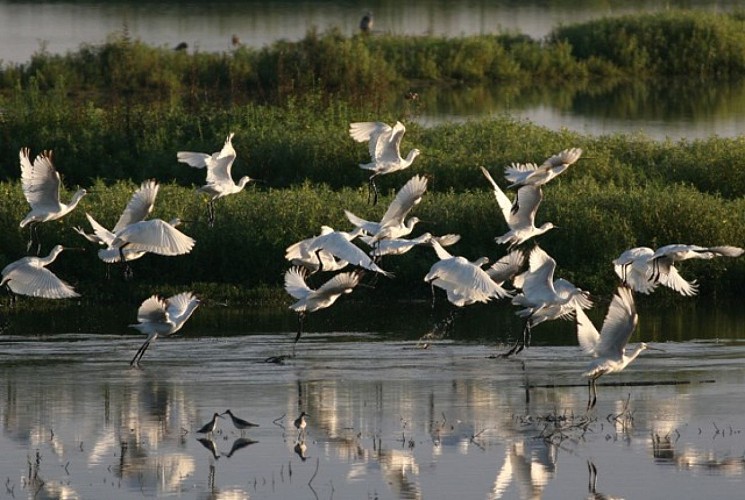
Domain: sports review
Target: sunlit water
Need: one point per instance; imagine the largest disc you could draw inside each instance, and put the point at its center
(59, 27)
(388, 418)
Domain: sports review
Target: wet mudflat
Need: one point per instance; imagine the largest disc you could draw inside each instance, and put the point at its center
(388, 419)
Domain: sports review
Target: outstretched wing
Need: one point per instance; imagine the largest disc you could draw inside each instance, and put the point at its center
(139, 206)
(218, 171)
(295, 283)
(38, 282)
(40, 181)
(619, 324)
(505, 205)
(406, 198)
(177, 304)
(152, 310)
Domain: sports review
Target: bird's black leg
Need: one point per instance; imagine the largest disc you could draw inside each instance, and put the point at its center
(211, 213)
(527, 333)
(300, 321)
(374, 188)
(139, 353)
(127, 269)
(592, 396)
(515, 205)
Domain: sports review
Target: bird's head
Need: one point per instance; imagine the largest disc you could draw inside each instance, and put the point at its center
(413, 154)
(245, 180)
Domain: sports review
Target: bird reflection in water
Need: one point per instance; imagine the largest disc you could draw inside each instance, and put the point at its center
(592, 485)
(210, 445)
(531, 463)
(301, 449)
(239, 444)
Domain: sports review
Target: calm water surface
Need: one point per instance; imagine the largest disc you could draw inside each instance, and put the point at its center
(26, 27)
(388, 418)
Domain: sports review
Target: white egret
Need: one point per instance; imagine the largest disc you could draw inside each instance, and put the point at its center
(609, 346)
(309, 300)
(210, 426)
(238, 422)
(542, 298)
(339, 244)
(664, 258)
(393, 223)
(299, 255)
(531, 174)
(158, 316)
(41, 186)
(465, 282)
(29, 276)
(138, 208)
(219, 179)
(399, 246)
(154, 236)
(633, 267)
(507, 267)
(384, 143)
(520, 218)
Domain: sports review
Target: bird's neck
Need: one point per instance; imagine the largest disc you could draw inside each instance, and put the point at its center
(631, 357)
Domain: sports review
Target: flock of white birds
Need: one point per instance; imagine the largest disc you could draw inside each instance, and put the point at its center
(525, 275)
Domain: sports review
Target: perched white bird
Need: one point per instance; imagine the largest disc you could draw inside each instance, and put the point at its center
(219, 179)
(159, 316)
(634, 269)
(399, 246)
(385, 148)
(609, 346)
(393, 223)
(41, 186)
(339, 244)
(542, 298)
(465, 282)
(520, 218)
(299, 255)
(309, 300)
(29, 276)
(366, 23)
(663, 261)
(138, 208)
(531, 174)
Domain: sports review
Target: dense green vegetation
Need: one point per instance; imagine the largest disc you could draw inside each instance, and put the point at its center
(116, 115)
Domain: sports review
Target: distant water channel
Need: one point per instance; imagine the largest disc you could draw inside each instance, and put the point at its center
(388, 418)
(59, 26)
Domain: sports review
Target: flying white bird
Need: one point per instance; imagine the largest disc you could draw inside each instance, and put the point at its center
(507, 267)
(219, 179)
(663, 261)
(29, 276)
(299, 255)
(309, 300)
(154, 236)
(159, 316)
(393, 223)
(339, 244)
(465, 282)
(385, 148)
(531, 174)
(399, 246)
(609, 346)
(41, 186)
(633, 267)
(542, 298)
(520, 218)
(138, 208)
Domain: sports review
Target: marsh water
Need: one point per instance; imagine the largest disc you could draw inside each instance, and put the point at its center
(394, 413)
(677, 109)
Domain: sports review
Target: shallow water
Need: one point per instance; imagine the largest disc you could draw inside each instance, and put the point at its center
(655, 110)
(388, 419)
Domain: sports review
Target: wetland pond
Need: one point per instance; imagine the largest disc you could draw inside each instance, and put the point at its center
(389, 419)
(675, 109)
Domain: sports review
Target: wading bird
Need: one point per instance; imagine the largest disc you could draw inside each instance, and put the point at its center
(339, 244)
(138, 208)
(159, 316)
(299, 255)
(393, 223)
(542, 298)
(663, 261)
(530, 174)
(219, 179)
(309, 300)
(609, 346)
(300, 424)
(239, 423)
(465, 282)
(399, 246)
(366, 23)
(520, 219)
(41, 186)
(385, 149)
(633, 267)
(210, 426)
(29, 276)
